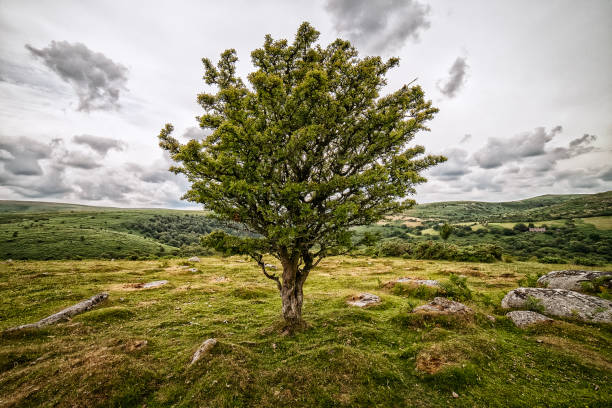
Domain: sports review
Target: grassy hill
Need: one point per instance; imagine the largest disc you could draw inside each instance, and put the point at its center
(544, 207)
(134, 349)
(7, 206)
(64, 231)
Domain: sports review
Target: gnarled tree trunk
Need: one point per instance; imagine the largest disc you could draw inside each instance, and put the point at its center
(292, 294)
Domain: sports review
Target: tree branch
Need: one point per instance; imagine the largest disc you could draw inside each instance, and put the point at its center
(259, 259)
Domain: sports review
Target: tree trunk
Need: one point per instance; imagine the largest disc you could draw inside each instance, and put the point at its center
(292, 298)
(292, 295)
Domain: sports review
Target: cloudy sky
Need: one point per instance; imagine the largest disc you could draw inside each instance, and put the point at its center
(523, 87)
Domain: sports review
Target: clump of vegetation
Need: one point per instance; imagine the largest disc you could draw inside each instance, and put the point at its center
(530, 280)
(534, 304)
(456, 288)
(600, 286)
(416, 291)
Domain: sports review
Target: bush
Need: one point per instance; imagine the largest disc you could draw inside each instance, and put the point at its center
(456, 288)
(530, 280)
(552, 260)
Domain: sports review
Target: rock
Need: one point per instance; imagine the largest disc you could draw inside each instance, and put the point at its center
(491, 318)
(220, 279)
(455, 395)
(137, 345)
(573, 279)
(65, 314)
(414, 281)
(270, 266)
(442, 305)
(192, 270)
(194, 259)
(561, 303)
(524, 318)
(203, 350)
(364, 300)
(151, 285)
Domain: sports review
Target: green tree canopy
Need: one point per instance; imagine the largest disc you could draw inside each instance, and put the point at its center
(308, 150)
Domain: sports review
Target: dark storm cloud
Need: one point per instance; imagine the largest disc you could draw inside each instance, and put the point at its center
(454, 168)
(465, 139)
(578, 178)
(100, 144)
(500, 151)
(456, 78)
(606, 175)
(79, 160)
(155, 174)
(380, 26)
(107, 187)
(20, 156)
(96, 79)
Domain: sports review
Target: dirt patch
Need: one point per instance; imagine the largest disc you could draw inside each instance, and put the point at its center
(470, 271)
(436, 357)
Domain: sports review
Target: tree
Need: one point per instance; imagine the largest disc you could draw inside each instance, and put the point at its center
(445, 231)
(308, 151)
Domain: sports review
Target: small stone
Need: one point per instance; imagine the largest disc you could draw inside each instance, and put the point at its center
(491, 318)
(154, 284)
(194, 259)
(193, 270)
(524, 318)
(414, 282)
(137, 345)
(364, 300)
(539, 341)
(270, 266)
(455, 395)
(203, 350)
(442, 305)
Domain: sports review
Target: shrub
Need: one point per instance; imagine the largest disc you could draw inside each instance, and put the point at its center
(552, 260)
(530, 280)
(456, 288)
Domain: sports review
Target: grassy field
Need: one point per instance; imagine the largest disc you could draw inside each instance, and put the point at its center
(378, 357)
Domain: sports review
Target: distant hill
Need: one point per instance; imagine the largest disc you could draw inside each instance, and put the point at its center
(544, 207)
(39, 207)
(37, 230)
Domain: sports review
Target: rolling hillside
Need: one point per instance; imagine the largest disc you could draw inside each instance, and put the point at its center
(544, 207)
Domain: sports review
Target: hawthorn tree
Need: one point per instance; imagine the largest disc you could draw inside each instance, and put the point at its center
(446, 230)
(307, 151)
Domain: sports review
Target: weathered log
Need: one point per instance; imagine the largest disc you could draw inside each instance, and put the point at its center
(64, 314)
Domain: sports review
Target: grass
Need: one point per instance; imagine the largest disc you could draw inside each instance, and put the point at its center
(346, 357)
(601, 223)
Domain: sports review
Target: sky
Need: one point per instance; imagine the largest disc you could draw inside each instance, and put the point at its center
(524, 89)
